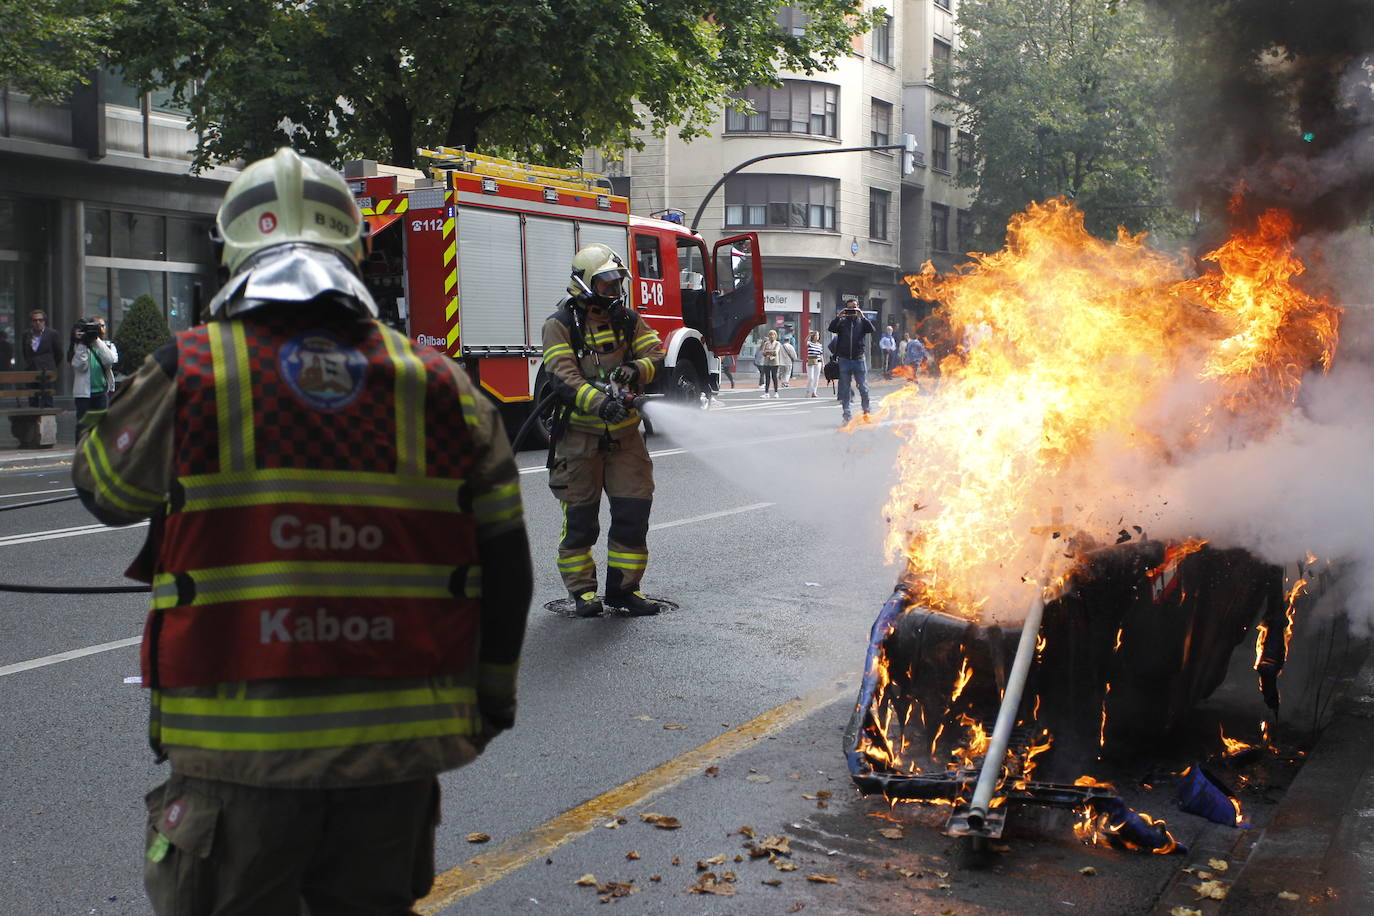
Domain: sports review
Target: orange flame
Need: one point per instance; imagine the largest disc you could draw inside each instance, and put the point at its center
(1232, 746)
(1073, 352)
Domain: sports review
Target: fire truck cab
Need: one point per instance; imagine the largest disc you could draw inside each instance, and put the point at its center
(472, 259)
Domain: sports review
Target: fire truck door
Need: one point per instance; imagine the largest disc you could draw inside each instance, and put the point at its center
(737, 300)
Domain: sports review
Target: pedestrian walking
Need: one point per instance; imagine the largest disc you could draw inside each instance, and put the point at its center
(598, 347)
(770, 352)
(787, 361)
(888, 345)
(758, 364)
(815, 355)
(727, 368)
(339, 566)
(850, 328)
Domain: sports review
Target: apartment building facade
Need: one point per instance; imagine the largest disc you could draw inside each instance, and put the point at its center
(98, 207)
(831, 226)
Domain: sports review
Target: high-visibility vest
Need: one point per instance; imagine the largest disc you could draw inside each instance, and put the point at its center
(319, 524)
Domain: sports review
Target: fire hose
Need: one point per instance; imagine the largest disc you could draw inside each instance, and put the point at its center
(64, 589)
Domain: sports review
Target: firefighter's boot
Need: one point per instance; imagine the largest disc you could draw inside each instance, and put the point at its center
(587, 605)
(632, 603)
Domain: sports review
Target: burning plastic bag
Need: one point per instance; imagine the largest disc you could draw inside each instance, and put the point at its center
(1201, 793)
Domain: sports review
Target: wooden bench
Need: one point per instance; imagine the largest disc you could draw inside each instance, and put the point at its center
(34, 427)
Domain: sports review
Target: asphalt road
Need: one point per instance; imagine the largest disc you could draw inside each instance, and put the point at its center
(725, 712)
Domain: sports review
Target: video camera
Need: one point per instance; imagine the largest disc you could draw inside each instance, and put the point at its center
(86, 331)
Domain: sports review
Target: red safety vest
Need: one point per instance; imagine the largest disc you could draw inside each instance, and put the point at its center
(319, 522)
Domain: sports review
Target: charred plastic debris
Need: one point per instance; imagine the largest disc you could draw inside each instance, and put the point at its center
(1140, 633)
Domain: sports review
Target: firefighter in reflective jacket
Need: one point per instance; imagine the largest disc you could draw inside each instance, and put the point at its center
(599, 352)
(339, 567)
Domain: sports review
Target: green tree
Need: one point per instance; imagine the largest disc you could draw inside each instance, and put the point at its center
(51, 46)
(141, 332)
(543, 80)
(1066, 97)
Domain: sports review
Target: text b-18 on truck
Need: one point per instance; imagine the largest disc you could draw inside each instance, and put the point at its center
(472, 260)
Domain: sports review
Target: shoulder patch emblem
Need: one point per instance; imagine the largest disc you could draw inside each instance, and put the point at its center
(125, 439)
(322, 371)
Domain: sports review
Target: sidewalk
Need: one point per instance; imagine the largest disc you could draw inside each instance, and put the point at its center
(1319, 847)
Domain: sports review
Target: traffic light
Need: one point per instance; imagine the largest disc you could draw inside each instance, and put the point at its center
(908, 154)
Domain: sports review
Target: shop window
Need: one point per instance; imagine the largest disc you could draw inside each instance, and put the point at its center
(188, 241)
(98, 294)
(138, 235)
(135, 283)
(180, 297)
(97, 232)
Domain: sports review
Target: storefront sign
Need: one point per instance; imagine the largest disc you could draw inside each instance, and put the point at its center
(788, 300)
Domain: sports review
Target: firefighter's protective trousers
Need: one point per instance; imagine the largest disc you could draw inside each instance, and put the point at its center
(583, 466)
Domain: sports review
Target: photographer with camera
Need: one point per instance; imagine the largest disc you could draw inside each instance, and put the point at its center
(850, 328)
(93, 360)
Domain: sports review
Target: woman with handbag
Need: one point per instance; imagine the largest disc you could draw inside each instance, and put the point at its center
(814, 352)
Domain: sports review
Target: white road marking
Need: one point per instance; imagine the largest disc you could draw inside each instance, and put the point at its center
(15, 540)
(710, 515)
(68, 656)
(68, 490)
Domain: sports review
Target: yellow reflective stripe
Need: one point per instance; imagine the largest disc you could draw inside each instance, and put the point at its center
(321, 488)
(233, 395)
(585, 395)
(472, 585)
(299, 706)
(576, 563)
(300, 740)
(113, 488)
(556, 351)
(409, 409)
(644, 341)
(594, 423)
(469, 405)
(501, 504)
(283, 579)
(647, 369)
(626, 560)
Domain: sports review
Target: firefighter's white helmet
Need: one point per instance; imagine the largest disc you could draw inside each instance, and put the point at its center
(598, 276)
(290, 232)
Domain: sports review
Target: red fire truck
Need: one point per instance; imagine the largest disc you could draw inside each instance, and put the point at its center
(473, 259)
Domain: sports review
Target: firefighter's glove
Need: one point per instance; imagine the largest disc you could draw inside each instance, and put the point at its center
(612, 411)
(626, 374)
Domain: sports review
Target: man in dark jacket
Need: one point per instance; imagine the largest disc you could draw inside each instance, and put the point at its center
(42, 352)
(850, 328)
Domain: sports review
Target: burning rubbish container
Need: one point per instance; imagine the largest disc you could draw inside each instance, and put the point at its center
(1139, 634)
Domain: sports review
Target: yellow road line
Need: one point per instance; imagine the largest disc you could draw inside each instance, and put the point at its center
(517, 852)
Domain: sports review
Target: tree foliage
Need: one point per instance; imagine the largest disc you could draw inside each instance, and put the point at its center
(1066, 97)
(542, 79)
(51, 46)
(142, 331)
